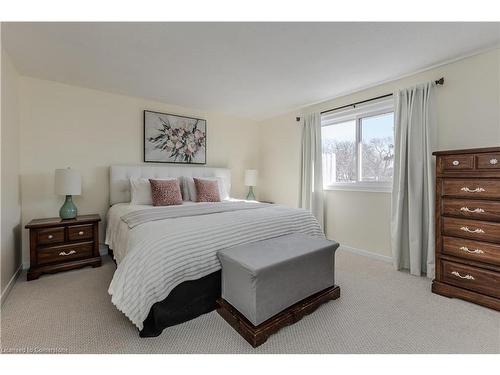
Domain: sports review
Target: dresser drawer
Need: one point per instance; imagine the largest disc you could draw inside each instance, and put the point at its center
(64, 253)
(49, 236)
(488, 161)
(458, 162)
(472, 278)
(472, 209)
(471, 188)
(476, 230)
(473, 250)
(80, 232)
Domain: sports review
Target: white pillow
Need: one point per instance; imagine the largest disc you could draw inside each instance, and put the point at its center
(140, 190)
(189, 189)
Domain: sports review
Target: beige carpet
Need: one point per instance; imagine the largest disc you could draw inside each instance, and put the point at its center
(379, 311)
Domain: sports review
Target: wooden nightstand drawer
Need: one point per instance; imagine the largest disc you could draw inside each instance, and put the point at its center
(80, 232)
(64, 253)
(60, 245)
(50, 235)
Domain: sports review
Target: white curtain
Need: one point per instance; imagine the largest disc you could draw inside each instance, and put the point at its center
(412, 229)
(311, 188)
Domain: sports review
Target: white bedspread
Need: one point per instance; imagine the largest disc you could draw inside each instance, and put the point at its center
(155, 257)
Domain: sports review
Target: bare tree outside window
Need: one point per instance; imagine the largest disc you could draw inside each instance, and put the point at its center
(371, 162)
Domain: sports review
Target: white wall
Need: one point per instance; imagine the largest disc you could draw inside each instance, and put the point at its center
(89, 130)
(468, 116)
(10, 191)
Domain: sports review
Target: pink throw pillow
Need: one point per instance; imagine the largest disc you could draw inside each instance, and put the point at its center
(166, 192)
(206, 190)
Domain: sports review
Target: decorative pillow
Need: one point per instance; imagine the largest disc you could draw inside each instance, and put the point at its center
(190, 188)
(166, 192)
(140, 191)
(206, 190)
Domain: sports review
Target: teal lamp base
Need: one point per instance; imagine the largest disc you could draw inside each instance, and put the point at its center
(68, 209)
(250, 195)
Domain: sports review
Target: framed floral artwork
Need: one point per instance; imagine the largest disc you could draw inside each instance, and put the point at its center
(174, 139)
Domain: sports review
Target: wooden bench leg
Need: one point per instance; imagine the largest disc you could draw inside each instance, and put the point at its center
(257, 335)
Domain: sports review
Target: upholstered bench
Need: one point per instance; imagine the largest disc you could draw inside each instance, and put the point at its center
(269, 284)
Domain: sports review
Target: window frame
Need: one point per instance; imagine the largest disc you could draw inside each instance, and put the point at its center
(356, 114)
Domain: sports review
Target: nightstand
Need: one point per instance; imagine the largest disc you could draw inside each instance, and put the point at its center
(60, 245)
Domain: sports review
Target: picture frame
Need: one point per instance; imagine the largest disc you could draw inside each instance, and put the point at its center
(175, 139)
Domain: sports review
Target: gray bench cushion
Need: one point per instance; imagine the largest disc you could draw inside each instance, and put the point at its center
(263, 278)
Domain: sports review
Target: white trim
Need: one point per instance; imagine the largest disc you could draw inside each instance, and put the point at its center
(366, 253)
(371, 108)
(10, 285)
(366, 187)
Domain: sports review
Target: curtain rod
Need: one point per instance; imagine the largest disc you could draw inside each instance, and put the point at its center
(439, 81)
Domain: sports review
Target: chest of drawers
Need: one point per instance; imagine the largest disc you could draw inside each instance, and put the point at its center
(60, 245)
(468, 225)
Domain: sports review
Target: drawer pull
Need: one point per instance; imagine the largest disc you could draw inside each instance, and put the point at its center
(80, 233)
(477, 230)
(493, 161)
(476, 190)
(455, 162)
(467, 250)
(475, 210)
(468, 277)
(63, 253)
(50, 237)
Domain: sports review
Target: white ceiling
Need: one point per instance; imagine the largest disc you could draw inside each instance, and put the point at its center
(254, 70)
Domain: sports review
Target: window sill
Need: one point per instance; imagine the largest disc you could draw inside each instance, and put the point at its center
(360, 188)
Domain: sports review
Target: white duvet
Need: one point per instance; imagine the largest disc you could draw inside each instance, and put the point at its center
(155, 257)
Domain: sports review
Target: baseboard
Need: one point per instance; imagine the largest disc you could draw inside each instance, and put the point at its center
(10, 284)
(366, 253)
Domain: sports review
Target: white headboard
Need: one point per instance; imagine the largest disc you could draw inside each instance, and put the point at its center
(119, 177)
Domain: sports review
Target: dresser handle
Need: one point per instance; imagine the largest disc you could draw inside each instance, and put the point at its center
(477, 251)
(493, 161)
(477, 230)
(63, 253)
(455, 162)
(475, 210)
(80, 233)
(50, 237)
(476, 190)
(468, 277)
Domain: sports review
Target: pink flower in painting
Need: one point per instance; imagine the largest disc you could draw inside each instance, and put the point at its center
(191, 148)
(170, 144)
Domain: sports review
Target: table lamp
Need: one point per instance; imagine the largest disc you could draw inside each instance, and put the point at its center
(250, 181)
(68, 182)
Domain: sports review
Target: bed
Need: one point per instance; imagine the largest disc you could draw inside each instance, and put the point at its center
(167, 267)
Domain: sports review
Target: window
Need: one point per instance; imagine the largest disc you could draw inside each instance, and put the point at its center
(358, 147)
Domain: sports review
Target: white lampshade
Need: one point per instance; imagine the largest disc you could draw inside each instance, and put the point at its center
(250, 177)
(68, 182)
